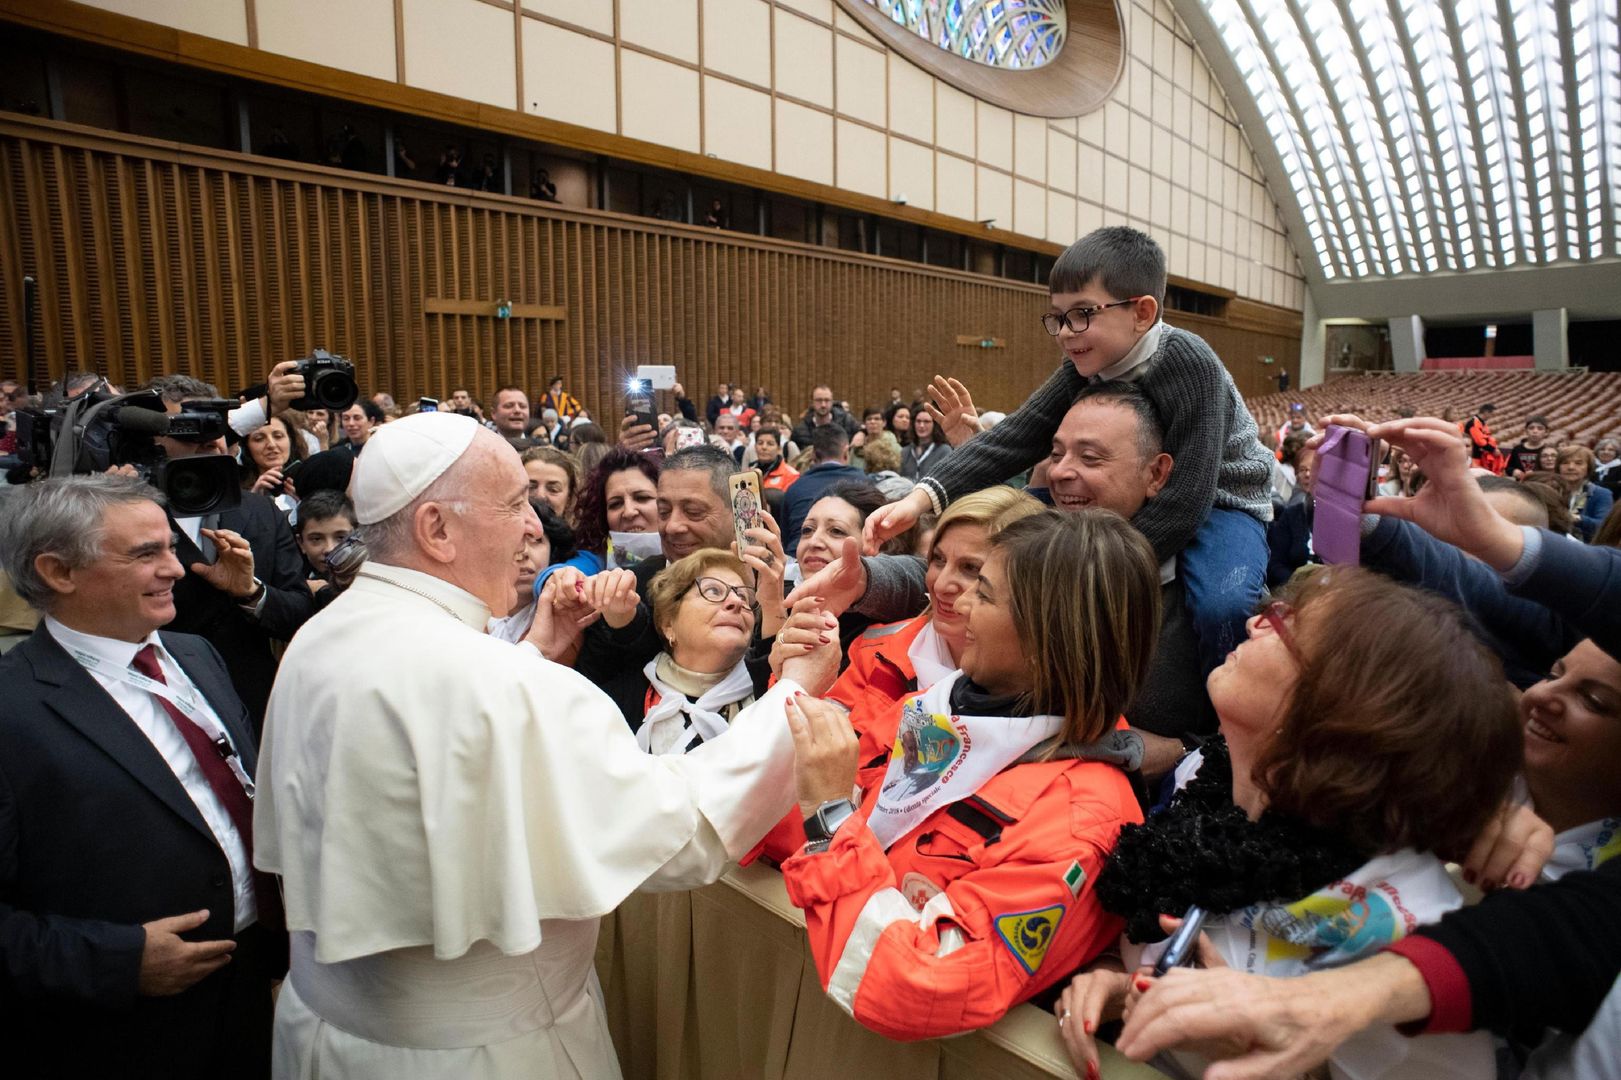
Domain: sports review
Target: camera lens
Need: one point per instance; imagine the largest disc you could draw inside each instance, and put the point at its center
(188, 488)
(334, 390)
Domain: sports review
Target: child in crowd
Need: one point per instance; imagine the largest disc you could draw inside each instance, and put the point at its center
(1107, 290)
(325, 520)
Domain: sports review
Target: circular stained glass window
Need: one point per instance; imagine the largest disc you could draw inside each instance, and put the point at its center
(1013, 34)
(1040, 57)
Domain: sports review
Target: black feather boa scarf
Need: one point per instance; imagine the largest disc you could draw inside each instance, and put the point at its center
(1203, 849)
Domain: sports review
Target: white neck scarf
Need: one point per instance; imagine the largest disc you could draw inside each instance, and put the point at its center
(669, 724)
(931, 660)
(1586, 847)
(939, 758)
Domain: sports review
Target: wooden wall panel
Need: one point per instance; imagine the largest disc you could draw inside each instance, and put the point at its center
(153, 258)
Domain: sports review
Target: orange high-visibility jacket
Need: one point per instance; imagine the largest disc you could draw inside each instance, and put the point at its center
(879, 676)
(989, 901)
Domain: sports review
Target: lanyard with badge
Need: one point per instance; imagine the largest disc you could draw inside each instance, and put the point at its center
(181, 699)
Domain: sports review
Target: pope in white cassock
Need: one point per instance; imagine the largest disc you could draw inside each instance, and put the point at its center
(451, 814)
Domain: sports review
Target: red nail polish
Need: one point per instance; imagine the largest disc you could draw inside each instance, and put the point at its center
(1087, 1026)
(1519, 880)
(1092, 1071)
(1143, 983)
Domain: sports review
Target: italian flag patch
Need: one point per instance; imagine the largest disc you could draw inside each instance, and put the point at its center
(1074, 878)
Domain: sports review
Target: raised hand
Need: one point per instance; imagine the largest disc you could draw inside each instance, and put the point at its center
(808, 634)
(634, 435)
(1450, 506)
(953, 410)
(839, 584)
(764, 555)
(826, 751)
(613, 593)
(894, 518)
(561, 614)
(285, 386)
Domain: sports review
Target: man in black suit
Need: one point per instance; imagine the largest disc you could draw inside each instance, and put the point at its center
(239, 605)
(136, 940)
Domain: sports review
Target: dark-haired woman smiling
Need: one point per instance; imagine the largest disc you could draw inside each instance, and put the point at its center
(1363, 726)
(963, 883)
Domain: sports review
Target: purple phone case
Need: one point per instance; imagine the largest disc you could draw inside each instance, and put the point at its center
(1344, 463)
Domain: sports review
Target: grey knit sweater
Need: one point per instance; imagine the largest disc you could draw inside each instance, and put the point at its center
(1209, 433)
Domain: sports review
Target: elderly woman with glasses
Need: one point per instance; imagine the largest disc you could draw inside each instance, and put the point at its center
(1363, 728)
(705, 609)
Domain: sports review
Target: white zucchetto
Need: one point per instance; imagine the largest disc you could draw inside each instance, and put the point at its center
(402, 458)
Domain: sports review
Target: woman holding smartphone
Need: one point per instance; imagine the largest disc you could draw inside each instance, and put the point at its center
(962, 883)
(1363, 728)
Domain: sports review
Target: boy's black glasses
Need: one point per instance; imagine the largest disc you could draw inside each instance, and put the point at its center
(1054, 322)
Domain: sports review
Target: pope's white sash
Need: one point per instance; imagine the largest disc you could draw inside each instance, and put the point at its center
(939, 758)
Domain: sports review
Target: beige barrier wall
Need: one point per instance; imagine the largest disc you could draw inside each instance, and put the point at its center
(719, 983)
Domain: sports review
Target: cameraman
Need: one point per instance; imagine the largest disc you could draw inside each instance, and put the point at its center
(244, 580)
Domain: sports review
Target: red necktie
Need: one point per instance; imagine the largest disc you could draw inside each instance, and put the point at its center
(211, 759)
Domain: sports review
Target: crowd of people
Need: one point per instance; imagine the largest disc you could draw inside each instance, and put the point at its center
(340, 779)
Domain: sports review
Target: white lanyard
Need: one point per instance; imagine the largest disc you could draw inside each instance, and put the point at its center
(181, 699)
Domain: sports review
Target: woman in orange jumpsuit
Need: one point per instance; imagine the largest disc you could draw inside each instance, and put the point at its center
(887, 663)
(961, 884)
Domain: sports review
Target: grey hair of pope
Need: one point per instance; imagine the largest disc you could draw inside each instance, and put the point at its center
(66, 517)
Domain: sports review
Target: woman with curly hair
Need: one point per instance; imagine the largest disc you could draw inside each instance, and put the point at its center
(619, 496)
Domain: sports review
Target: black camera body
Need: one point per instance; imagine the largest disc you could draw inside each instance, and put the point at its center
(98, 431)
(201, 421)
(329, 382)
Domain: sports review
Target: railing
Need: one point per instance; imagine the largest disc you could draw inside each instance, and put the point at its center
(719, 983)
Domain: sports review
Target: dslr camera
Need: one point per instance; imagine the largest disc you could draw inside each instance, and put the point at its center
(98, 431)
(329, 383)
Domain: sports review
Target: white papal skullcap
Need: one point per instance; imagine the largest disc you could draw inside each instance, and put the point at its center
(401, 459)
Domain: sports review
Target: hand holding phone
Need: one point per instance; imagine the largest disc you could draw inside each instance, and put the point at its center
(1183, 948)
(747, 505)
(1346, 478)
(639, 401)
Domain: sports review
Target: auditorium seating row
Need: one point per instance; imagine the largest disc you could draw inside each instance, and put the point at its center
(1580, 406)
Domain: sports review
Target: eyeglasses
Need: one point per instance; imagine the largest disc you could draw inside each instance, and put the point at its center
(1277, 615)
(715, 591)
(1054, 322)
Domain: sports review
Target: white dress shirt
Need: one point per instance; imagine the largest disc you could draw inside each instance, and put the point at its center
(159, 728)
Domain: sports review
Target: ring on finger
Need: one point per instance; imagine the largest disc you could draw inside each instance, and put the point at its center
(1062, 1020)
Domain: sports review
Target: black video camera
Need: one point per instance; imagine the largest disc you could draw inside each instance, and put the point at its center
(329, 383)
(98, 431)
